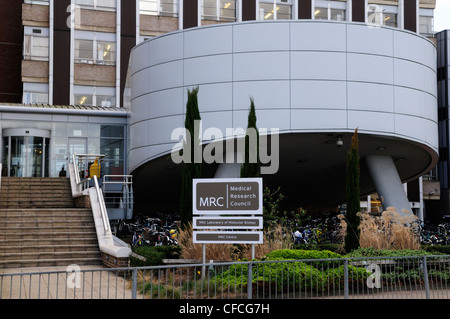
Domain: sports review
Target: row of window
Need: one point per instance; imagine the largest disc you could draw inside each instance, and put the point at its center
(37, 93)
(79, 99)
(225, 10)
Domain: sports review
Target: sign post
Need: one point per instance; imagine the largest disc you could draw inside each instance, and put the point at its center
(224, 211)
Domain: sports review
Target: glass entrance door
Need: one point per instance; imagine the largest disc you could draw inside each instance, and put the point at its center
(25, 152)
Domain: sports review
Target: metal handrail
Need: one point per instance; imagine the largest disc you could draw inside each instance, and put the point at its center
(81, 184)
(102, 205)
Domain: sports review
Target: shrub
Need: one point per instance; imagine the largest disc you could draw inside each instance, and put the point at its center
(154, 255)
(391, 230)
(288, 275)
(296, 254)
(372, 252)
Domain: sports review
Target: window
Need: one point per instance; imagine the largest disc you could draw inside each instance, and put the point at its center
(35, 98)
(105, 52)
(84, 52)
(107, 5)
(94, 96)
(43, 2)
(220, 10)
(426, 21)
(275, 9)
(112, 142)
(390, 19)
(425, 25)
(106, 101)
(159, 7)
(36, 41)
(35, 93)
(382, 15)
(83, 99)
(330, 10)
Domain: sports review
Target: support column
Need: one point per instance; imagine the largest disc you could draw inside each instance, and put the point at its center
(388, 184)
(231, 168)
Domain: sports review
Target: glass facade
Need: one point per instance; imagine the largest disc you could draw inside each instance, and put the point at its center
(36, 156)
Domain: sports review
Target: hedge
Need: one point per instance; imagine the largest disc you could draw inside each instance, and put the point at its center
(154, 255)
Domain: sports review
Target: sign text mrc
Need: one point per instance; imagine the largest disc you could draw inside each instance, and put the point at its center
(227, 196)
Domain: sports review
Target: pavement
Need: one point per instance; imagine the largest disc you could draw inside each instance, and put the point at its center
(85, 282)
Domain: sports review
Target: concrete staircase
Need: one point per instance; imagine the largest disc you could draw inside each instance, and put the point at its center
(40, 227)
(24, 192)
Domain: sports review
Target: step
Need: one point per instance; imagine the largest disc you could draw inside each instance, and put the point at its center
(53, 242)
(49, 255)
(45, 248)
(50, 262)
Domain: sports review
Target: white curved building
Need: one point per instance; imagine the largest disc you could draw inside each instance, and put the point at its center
(315, 81)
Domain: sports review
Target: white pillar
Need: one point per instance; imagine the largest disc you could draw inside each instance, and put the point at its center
(388, 184)
(231, 168)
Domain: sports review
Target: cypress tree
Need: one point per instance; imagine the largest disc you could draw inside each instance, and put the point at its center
(251, 151)
(191, 169)
(353, 195)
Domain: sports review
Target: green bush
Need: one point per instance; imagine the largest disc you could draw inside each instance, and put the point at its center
(154, 255)
(437, 250)
(289, 275)
(297, 254)
(371, 252)
(285, 271)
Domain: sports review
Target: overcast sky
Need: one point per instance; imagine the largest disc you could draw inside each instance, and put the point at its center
(442, 15)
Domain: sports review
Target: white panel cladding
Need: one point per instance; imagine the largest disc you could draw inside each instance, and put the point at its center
(216, 96)
(162, 103)
(370, 40)
(305, 76)
(208, 69)
(421, 104)
(381, 122)
(369, 68)
(206, 43)
(173, 76)
(318, 36)
(160, 129)
(255, 37)
(318, 95)
(414, 75)
(370, 96)
(255, 66)
(318, 65)
(411, 47)
(318, 120)
(167, 48)
(269, 94)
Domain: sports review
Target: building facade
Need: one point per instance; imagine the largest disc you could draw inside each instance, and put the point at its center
(317, 70)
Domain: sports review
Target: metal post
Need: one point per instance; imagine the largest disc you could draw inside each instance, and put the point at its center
(203, 260)
(249, 280)
(134, 284)
(346, 278)
(425, 277)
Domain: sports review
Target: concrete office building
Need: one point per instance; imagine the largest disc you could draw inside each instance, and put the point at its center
(317, 71)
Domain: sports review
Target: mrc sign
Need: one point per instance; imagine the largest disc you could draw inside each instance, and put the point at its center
(227, 196)
(214, 200)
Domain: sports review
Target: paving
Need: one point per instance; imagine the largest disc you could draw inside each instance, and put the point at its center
(88, 282)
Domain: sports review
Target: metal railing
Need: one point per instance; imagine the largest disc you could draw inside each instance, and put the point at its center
(412, 277)
(101, 202)
(119, 198)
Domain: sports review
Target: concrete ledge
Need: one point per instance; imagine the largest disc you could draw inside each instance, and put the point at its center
(108, 248)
